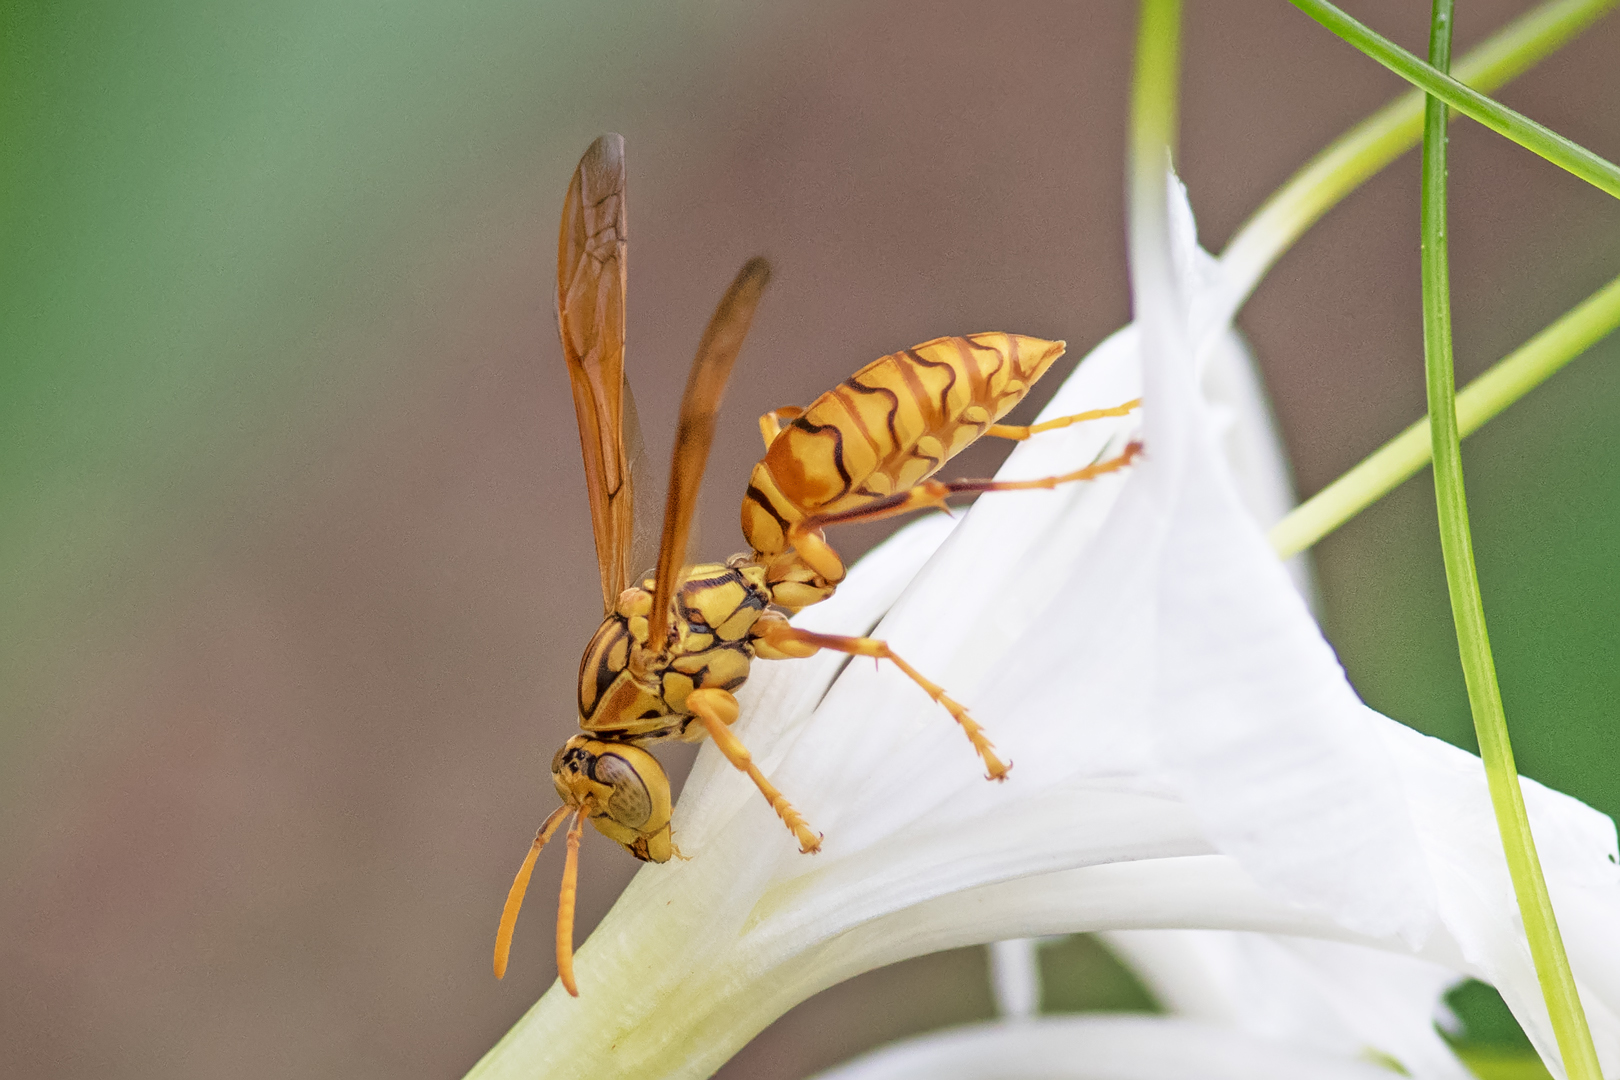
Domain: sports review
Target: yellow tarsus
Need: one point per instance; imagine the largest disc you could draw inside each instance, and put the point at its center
(780, 634)
(1020, 432)
(995, 769)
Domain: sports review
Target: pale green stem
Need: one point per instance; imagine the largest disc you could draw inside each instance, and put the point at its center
(1154, 101)
(1362, 151)
(1499, 118)
(1467, 606)
(1392, 464)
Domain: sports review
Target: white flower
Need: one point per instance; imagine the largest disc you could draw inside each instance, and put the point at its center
(1100, 1046)
(1238, 1002)
(1342, 1000)
(1188, 753)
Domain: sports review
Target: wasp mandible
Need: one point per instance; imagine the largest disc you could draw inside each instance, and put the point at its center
(672, 649)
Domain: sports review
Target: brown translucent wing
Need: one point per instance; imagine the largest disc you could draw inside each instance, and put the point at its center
(700, 404)
(649, 495)
(591, 247)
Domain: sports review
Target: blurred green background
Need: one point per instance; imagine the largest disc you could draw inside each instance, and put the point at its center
(294, 556)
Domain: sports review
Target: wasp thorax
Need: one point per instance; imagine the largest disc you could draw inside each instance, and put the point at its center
(633, 605)
(627, 789)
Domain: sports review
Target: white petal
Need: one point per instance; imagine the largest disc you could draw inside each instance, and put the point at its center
(1241, 416)
(1251, 714)
(1100, 1047)
(1576, 844)
(1339, 998)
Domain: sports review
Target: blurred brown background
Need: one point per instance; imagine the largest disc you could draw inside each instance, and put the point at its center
(279, 750)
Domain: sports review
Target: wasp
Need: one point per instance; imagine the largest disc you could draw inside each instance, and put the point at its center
(673, 648)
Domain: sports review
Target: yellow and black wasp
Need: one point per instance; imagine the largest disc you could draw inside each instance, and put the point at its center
(672, 649)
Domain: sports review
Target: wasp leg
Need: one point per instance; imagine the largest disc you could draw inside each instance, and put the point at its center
(940, 490)
(771, 424)
(717, 710)
(778, 636)
(1020, 432)
(933, 493)
(810, 548)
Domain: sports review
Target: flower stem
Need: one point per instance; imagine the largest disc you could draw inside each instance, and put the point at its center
(1467, 607)
(1154, 94)
(1392, 464)
(1387, 134)
(1499, 118)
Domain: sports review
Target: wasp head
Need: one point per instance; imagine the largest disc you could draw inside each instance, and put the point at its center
(627, 788)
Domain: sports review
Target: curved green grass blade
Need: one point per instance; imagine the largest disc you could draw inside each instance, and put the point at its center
(1398, 460)
(1499, 118)
(1361, 152)
(1467, 606)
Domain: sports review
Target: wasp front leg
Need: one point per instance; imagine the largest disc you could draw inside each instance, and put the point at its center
(777, 639)
(716, 709)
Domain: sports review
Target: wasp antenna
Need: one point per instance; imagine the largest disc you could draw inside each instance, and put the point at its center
(565, 903)
(520, 885)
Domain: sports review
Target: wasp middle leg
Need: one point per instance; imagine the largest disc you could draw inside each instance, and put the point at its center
(776, 638)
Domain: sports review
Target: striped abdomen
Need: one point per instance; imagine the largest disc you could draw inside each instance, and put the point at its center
(887, 427)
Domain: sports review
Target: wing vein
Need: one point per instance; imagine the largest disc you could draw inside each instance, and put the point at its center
(592, 244)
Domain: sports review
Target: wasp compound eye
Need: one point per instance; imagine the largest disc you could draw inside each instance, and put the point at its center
(630, 804)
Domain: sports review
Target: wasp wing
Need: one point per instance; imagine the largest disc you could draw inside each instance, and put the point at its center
(649, 496)
(700, 404)
(591, 248)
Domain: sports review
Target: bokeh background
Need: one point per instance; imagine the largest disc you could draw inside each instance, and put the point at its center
(295, 563)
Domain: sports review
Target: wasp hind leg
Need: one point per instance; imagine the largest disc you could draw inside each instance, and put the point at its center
(784, 640)
(717, 710)
(1020, 432)
(935, 492)
(931, 494)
